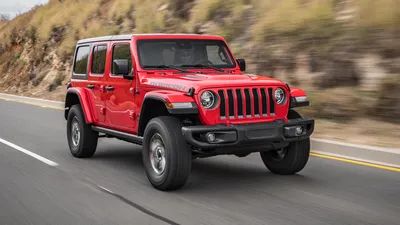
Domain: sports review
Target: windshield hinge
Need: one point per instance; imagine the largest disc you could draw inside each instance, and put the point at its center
(190, 92)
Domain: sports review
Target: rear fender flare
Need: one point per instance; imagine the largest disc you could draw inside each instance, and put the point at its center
(84, 100)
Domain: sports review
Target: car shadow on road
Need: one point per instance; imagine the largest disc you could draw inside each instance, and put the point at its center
(220, 172)
(229, 173)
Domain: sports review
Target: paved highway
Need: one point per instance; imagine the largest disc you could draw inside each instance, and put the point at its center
(111, 187)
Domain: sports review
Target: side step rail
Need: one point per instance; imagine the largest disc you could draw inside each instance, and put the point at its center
(118, 134)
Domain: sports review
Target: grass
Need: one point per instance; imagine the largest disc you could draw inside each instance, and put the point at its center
(293, 20)
(205, 10)
(228, 15)
(120, 8)
(293, 17)
(304, 18)
(382, 14)
(148, 18)
(8, 29)
(71, 13)
(59, 78)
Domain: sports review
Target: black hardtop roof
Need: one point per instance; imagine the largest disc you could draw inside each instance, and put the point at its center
(125, 37)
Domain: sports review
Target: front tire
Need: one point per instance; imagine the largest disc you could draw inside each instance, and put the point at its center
(82, 140)
(167, 157)
(289, 160)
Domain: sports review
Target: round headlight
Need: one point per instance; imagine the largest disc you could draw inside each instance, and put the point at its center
(207, 99)
(280, 96)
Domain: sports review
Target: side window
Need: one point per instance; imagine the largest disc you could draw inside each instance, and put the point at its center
(81, 60)
(121, 51)
(99, 59)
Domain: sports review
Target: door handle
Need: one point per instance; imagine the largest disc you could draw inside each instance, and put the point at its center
(109, 88)
(90, 86)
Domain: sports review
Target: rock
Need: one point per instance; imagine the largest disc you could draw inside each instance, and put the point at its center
(205, 28)
(57, 33)
(163, 7)
(316, 63)
(52, 87)
(391, 65)
(339, 73)
(181, 8)
(341, 104)
(372, 73)
(31, 75)
(387, 106)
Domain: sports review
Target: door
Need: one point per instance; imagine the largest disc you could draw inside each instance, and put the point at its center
(96, 80)
(120, 104)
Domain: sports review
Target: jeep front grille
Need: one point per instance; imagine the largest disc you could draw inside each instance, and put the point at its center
(238, 103)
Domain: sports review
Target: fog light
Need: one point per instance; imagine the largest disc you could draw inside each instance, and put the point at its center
(210, 137)
(295, 131)
(299, 130)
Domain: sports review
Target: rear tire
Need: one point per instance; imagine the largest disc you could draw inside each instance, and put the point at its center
(82, 140)
(294, 159)
(167, 157)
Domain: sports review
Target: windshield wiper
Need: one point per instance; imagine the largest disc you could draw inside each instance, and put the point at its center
(204, 65)
(167, 66)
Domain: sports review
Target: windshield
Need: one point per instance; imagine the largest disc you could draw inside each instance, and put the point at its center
(186, 53)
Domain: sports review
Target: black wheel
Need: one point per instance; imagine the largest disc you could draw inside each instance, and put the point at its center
(288, 160)
(167, 157)
(82, 140)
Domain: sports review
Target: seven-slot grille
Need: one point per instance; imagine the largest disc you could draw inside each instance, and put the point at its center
(239, 103)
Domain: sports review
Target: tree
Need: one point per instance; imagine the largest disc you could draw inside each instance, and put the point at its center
(4, 17)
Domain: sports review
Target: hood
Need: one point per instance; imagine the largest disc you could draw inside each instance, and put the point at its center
(183, 82)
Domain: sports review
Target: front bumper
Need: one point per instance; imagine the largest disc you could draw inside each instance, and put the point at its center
(248, 136)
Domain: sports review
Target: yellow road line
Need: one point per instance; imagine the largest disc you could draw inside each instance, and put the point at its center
(312, 154)
(356, 162)
(30, 103)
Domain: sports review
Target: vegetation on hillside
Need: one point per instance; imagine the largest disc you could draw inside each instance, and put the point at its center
(333, 35)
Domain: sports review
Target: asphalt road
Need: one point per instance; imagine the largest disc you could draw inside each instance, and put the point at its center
(111, 187)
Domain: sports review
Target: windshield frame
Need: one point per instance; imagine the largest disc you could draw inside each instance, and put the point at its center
(219, 41)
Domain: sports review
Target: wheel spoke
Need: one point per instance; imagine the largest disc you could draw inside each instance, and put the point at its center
(158, 165)
(157, 154)
(162, 163)
(75, 132)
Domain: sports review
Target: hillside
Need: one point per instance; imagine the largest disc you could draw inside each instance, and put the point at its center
(344, 53)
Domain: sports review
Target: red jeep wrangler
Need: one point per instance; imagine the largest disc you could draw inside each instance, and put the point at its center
(182, 97)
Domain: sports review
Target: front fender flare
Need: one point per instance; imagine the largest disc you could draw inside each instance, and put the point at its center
(298, 98)
(171, 98)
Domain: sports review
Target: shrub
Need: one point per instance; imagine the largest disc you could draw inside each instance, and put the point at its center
(387, 106)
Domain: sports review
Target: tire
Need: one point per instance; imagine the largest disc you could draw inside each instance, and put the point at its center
(85, 145)
(171, 150)
(293, 160)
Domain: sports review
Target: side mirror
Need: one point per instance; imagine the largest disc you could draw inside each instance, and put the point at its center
(242, 64)
(121, 66)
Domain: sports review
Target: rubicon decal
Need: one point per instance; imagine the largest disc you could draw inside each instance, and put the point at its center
(166, 85)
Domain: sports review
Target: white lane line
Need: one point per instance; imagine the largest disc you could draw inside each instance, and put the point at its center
(34, 155)
(105, 189)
